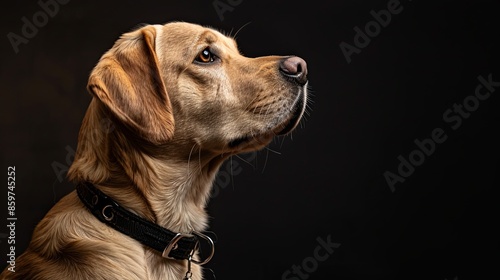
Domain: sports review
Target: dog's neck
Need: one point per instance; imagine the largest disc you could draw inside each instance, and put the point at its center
(176, 191)
(180, 190)
(161, 184)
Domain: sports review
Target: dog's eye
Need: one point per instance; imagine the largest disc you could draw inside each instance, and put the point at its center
(205, 56)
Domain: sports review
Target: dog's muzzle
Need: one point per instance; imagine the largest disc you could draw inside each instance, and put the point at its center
(293, 69)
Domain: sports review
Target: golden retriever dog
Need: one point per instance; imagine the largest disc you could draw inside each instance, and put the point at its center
(181, 100)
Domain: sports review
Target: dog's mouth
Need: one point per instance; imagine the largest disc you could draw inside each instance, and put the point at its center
(296, 113)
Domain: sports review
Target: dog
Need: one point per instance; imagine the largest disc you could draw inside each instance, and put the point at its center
(180, 99)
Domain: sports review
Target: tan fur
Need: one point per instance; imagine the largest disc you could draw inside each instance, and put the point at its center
(172, 122)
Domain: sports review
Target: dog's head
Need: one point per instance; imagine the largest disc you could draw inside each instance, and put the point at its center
(186, 84)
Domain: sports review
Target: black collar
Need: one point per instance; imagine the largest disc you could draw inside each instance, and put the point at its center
(170, 244)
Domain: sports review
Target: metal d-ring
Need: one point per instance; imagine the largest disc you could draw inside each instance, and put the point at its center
(212, 248)
(106, 217)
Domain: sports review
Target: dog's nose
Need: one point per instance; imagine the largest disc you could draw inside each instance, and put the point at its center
(294, 67)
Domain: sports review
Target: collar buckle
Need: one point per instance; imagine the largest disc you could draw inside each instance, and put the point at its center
(172, 245)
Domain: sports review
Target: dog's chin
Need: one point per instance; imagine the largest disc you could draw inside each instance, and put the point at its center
(250, 143)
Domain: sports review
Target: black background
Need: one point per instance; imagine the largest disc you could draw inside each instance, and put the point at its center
(327, 180)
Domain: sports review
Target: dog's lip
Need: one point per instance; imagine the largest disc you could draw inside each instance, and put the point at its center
(259, 138)
(296, 114)
(238, 141)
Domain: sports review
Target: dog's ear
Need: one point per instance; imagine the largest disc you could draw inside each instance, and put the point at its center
(127, 80)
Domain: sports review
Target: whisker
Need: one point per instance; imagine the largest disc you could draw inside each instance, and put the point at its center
(282, 141)
(265, 162)
(271, 150)
(189, 158)
(199, 159)
(245, 161)
(302, 124)
(232, 175)
(244, 25)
